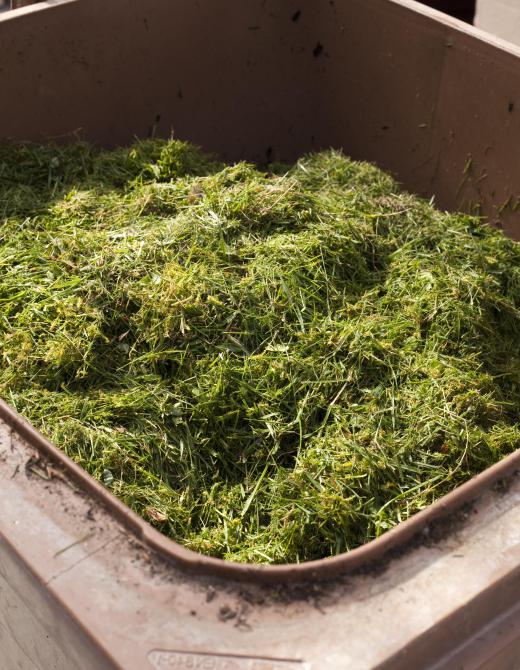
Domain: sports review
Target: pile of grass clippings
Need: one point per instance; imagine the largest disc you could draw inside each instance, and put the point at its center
(268, 366)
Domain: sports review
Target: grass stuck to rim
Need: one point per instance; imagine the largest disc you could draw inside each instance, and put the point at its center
(269, 367)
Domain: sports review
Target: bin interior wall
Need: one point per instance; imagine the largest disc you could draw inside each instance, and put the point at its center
(425, 96)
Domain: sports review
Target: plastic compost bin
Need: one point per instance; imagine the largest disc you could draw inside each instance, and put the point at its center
(86, 584)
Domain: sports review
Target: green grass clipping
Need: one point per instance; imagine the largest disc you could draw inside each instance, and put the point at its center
(268, 365)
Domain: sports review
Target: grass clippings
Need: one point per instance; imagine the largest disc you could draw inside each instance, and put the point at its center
(268, 366)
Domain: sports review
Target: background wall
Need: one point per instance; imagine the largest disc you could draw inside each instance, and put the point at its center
(461, 9)
(501, 17)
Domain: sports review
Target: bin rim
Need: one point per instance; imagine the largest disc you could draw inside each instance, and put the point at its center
(372, 555)
(413, 6)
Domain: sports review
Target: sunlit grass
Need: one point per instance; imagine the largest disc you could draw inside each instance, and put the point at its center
(268, 366)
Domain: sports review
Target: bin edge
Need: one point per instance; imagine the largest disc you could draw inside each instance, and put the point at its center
(375, 552)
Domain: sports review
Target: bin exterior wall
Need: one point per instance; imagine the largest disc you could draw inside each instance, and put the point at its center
(36, 632)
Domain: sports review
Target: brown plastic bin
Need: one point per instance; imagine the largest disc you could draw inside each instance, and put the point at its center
(84, 583)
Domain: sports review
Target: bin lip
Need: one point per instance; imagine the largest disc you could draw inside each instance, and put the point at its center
(370, 555)
(37, 6)
(413, 6)
(457, 25)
